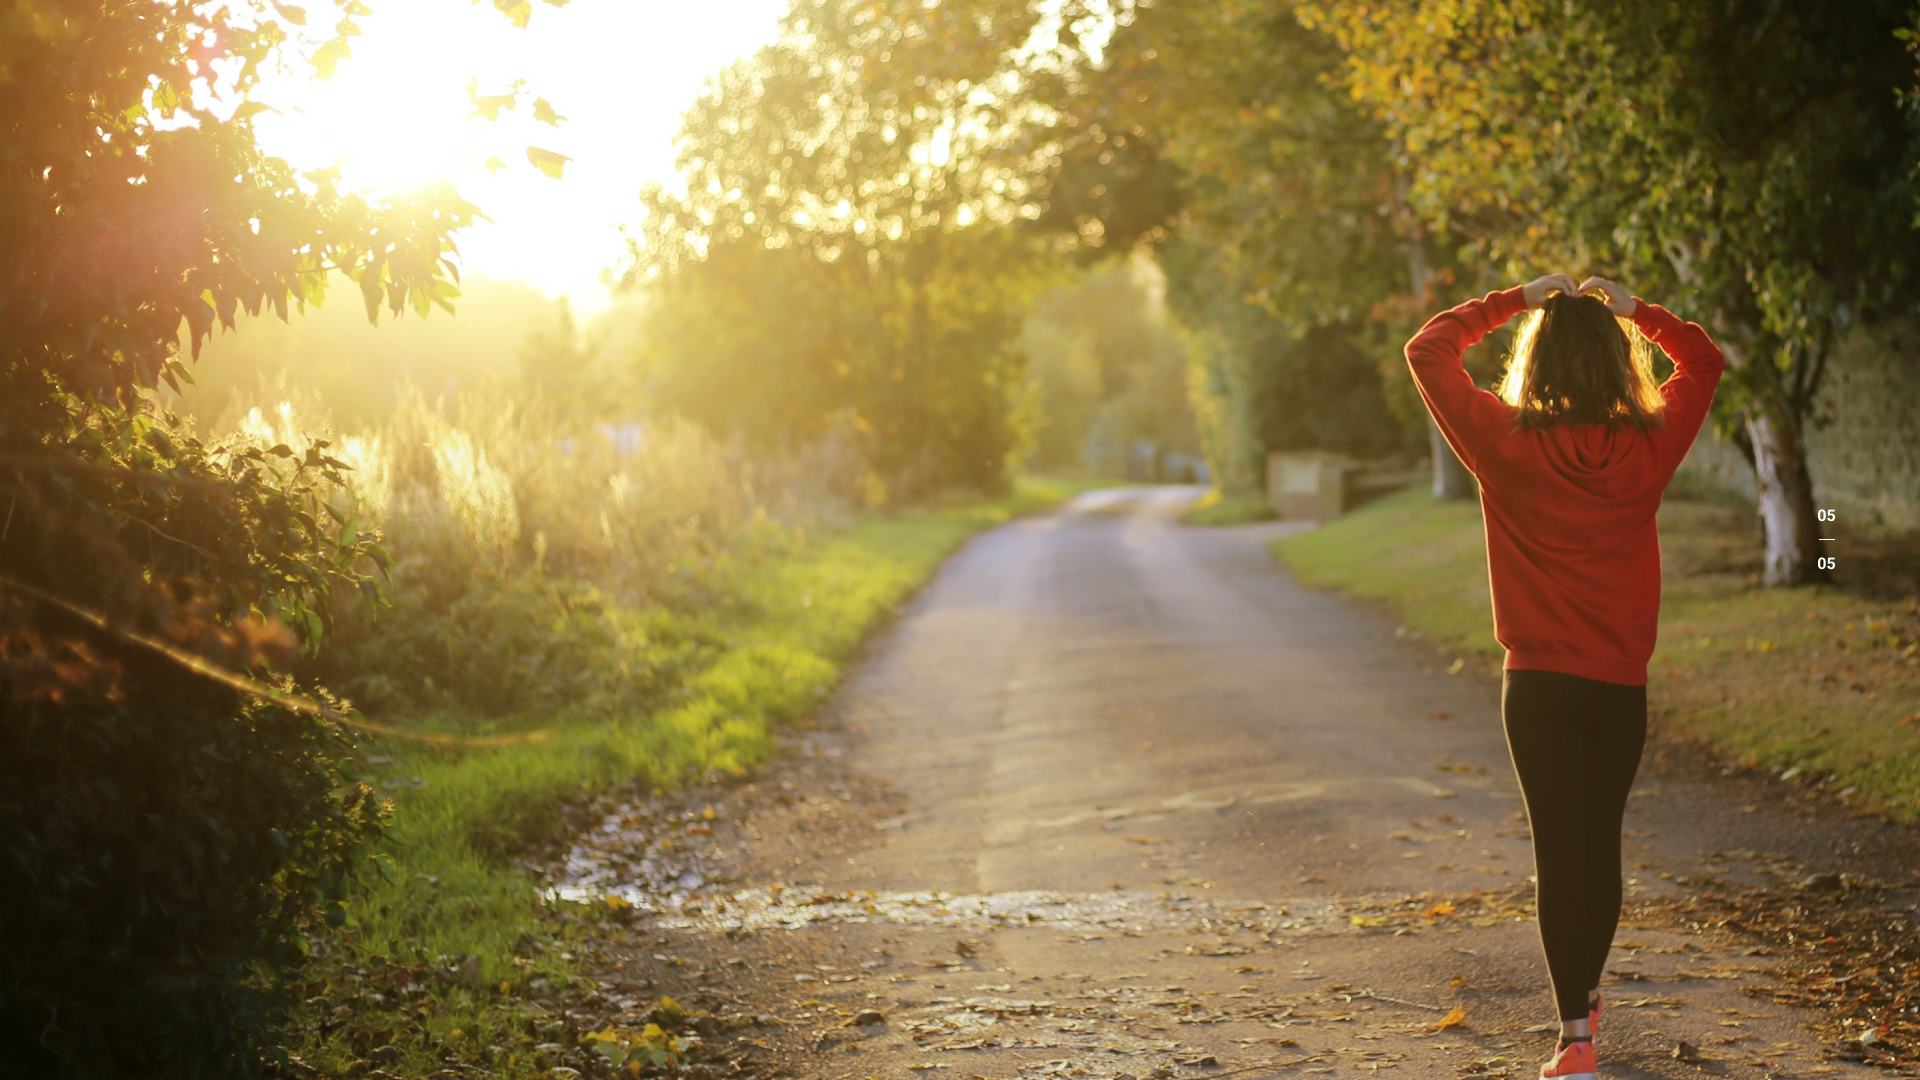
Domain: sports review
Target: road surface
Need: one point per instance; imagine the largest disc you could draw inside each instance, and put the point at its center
(1116, 797)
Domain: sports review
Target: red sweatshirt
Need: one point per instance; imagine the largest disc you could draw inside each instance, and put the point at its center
(1572, 552)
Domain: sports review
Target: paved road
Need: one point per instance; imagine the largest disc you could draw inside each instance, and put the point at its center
(1118, 797)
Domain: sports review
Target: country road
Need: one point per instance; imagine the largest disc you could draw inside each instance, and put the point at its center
(1119, 797)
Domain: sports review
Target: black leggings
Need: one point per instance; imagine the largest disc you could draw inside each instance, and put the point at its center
(1576, 745)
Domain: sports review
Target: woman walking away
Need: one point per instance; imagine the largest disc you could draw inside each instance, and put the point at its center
(1573, 455)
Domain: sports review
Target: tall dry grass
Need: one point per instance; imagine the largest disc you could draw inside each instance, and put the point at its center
(542, 563)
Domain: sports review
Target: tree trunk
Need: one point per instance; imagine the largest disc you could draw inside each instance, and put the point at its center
(1451, 480)
(1786, 501)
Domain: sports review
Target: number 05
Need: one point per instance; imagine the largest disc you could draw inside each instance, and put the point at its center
(1824, 562)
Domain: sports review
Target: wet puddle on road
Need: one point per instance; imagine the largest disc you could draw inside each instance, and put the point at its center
(978, 955)
(956, 984)
(633, 859)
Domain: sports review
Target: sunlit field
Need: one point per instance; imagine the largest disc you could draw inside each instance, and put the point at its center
(426, 423)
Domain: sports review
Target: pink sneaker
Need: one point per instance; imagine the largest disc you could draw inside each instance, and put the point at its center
(1573, 1061)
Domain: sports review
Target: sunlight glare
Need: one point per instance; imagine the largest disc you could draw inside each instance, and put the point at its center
(397, 116)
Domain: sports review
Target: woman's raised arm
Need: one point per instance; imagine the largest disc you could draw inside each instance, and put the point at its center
(1467, 415)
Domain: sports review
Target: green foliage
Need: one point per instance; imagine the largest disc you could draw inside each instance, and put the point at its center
(129, 208)
(539, 562)
(159, 834)
(1276, 388)
(156, 849)
(1747, 163)
(910, 357)
(1289, 184)
(1106, 367)
(1294, 238)
(1751, 162)
(846, 250)
(1216, 507)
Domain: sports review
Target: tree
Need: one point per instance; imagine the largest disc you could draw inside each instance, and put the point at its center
(1748, 162)
(176, 804)
(1292, 241)
(1106, 368)
(847, 247)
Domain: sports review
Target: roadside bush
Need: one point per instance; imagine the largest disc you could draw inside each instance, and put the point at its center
(154, 849)
(539, 564)
(162, 834)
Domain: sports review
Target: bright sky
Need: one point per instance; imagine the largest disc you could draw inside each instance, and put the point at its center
(620, 71)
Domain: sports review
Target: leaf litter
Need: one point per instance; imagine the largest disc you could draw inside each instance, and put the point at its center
(1842, 950)
(646, 862)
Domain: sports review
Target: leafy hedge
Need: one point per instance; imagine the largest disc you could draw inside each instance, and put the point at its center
(152, 849)
(161, 830)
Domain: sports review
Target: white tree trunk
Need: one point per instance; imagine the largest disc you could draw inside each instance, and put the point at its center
(1451, 480)
(1786, 501)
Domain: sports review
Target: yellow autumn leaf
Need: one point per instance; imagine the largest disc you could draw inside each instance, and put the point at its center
(547, 161)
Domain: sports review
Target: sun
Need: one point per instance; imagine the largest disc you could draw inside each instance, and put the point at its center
(396, 115)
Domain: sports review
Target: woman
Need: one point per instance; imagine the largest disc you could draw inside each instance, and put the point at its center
(1573, 455)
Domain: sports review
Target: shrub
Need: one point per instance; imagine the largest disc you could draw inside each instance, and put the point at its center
(152, 849)
(161, 833)
(540, 565)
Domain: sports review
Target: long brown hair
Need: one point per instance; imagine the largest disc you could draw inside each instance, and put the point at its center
(1575, 363)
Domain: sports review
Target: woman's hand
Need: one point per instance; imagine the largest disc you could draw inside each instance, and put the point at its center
(1536, 290)
(1619, 300)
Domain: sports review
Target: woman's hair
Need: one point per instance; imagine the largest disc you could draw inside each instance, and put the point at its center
(1575, 363)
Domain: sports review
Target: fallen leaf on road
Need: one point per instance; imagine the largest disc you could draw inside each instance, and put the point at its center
(1454, 1018)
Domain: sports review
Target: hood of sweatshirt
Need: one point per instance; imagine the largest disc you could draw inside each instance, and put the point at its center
(1598, 460)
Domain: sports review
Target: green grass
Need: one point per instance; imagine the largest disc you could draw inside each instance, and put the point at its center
(1217, 507)
(1423, 558)
(1820, 680)
(453, 891)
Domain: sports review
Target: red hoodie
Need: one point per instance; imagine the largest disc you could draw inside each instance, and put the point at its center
(1572, 552)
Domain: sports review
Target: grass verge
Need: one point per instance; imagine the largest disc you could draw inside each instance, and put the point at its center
(1217, 507)
(455, 959)
(1820, 684)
